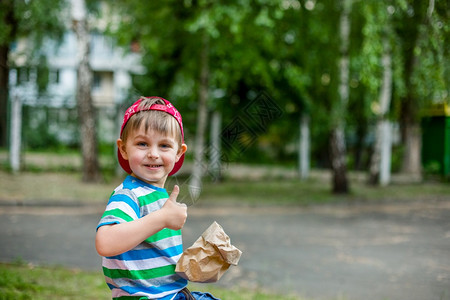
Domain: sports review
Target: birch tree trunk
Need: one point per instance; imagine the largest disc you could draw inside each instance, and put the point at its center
(304, 148)
(337, 140)
(16, 134)
(380, 165)
(215, 149)
(195, 183)
(86, 113)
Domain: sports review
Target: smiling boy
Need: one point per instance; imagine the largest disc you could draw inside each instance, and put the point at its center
(139, 234)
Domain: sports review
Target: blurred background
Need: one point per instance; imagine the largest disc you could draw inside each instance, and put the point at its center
(321, 98)
(340, 85)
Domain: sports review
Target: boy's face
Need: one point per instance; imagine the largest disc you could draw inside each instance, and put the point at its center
(151, 155)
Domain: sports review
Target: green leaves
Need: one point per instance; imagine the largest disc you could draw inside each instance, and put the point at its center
(288, 49)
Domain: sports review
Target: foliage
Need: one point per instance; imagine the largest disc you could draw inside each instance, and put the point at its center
(287, 49)
(30, 18)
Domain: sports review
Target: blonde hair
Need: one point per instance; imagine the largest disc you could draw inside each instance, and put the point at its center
(159, 121)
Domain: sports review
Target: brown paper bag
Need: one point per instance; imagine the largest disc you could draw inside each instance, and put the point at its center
(209, 257)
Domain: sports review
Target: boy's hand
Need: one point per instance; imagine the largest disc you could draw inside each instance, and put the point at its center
(176, 213)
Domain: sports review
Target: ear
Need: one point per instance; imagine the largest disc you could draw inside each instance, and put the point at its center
(181, 151)
(122, 148)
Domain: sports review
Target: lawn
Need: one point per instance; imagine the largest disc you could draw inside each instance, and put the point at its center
(55, 179)
(66, 188)
(24, 281)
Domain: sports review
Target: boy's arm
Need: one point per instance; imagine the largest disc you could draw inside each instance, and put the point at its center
(118, 238)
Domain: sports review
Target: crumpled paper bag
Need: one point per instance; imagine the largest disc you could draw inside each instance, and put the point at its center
(209, 257)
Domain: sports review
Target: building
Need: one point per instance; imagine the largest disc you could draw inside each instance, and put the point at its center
(46, 86)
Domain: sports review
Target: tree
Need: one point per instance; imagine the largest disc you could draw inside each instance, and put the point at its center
(381, 158)
(86, 113)
(377, 47)
(337, 140)
(422, 31)
(195, 183)
(304, 146)
(293, 51)
(206, 38)
(19, 18)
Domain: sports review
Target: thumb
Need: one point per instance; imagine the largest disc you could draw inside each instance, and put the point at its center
(174, 195)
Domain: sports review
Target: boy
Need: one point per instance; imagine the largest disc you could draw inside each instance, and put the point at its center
(139, 234)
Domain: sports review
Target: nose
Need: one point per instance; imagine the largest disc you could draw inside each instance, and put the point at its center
(153, 153)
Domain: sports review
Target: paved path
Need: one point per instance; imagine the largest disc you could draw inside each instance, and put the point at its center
(395, 251)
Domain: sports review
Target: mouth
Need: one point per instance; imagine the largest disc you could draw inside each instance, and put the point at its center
(153, 166)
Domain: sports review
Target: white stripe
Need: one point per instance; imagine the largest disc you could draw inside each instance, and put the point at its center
(144, 264)
(142, 191)
(120, 187)
(163, 244)
(116, 292)
(154, 206)
(123, 207)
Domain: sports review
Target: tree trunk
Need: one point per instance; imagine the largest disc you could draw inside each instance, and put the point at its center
(16, 134)
(4, 72)
(413, 144)
(380, 166)
(86, 113)
(304, 146)
(215, 152)
(338, 161)
(386, 153)
(410, 125)
(195, 183)
(338, 149)
(9, 19)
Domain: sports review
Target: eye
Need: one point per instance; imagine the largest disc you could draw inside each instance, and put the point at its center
(141, 144)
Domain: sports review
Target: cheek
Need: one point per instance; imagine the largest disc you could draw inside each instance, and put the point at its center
(135, 157)
(169, 157)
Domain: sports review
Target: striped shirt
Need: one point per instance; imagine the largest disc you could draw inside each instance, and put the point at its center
(148, 270)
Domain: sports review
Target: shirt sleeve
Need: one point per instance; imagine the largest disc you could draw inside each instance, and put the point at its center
(123, 206)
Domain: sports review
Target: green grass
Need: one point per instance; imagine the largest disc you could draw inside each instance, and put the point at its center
(22, 281)
(315, 191)
(67, 187)
(58, 180)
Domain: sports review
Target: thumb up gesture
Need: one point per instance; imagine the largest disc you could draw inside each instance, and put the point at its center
(175, 213)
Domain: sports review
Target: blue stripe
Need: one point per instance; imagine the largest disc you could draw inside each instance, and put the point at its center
(127, 200)
(132, 182)
(175, 286)
(149, 253)
(111, 286)
(107, 223)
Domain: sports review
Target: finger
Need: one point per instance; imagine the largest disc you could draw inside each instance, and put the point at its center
(182, 204)
(174, 194)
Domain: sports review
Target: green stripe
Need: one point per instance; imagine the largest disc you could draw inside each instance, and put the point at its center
(163, 234)
(131, 298)
(139, 274)
(152, 197)
(117, 213)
